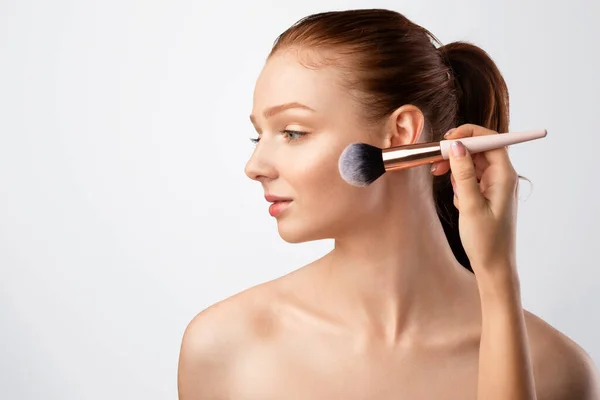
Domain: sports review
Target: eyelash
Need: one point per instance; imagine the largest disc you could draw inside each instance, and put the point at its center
(287, 132)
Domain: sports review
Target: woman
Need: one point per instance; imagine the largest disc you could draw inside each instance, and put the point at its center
(420, 298)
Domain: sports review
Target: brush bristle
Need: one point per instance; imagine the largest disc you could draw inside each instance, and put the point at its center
(360, 164)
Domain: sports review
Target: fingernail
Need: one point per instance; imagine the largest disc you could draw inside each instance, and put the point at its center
(458, 149)
(449, 132)
(433, 167)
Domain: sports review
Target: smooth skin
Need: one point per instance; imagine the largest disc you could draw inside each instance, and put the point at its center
(388, 313)
(487, 203)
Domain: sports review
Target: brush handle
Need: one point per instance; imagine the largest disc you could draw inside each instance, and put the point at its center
(478, 144)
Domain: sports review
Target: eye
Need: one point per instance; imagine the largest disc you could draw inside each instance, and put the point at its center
(289, 134)
(293, 135)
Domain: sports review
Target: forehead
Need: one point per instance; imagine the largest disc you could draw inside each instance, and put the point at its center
(286, 79)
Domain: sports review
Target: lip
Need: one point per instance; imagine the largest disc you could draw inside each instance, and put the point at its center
(277, 208)
(279, 204)
(272, 198)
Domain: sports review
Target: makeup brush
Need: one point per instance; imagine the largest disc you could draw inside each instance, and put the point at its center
(361, 164)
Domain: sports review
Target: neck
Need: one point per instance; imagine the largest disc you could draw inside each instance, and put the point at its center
(398, 276)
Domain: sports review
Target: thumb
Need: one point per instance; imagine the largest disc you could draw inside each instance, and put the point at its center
(463, 171)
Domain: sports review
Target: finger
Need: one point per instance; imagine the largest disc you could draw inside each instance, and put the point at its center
(481, 164)
(468, 130)
(478, 174)
(496, 156)
(453, 183)
(440, 168)
(485, 184)
(455, 198)
(464, 178)
(504, 175)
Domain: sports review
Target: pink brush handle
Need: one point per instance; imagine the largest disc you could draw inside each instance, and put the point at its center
(478, 144)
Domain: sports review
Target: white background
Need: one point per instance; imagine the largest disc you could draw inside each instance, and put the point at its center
(124, 208)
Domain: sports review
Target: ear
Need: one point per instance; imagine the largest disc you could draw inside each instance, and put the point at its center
(404, 126)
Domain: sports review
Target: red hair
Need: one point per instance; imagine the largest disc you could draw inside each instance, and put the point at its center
(389, 61)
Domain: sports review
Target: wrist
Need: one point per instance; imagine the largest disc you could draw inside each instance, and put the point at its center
(498, 281)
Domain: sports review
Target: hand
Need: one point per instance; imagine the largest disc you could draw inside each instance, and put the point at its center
(485, 193)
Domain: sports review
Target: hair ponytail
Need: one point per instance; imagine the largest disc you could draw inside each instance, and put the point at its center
(482, 91)
(483, 100)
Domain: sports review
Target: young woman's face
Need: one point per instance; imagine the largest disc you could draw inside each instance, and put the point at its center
(304, 119)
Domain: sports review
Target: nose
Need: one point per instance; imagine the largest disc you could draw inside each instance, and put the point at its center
(260, 167)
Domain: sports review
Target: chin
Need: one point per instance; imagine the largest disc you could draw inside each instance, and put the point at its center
(301, 231)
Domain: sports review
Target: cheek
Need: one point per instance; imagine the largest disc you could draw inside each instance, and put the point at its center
(318, 178)
(322, 192)
(326, 205)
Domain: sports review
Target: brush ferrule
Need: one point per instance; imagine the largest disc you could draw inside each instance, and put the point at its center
(410, 156)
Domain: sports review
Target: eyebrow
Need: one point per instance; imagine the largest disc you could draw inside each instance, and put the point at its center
(269, 112)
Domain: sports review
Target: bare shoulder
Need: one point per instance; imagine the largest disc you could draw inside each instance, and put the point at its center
(563, 369)
(220, 333)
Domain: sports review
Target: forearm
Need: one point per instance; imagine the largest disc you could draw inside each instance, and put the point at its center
(505, 369)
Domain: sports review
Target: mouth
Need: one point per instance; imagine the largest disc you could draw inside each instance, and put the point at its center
(276, 199)
(279, 204)
(278, 207)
